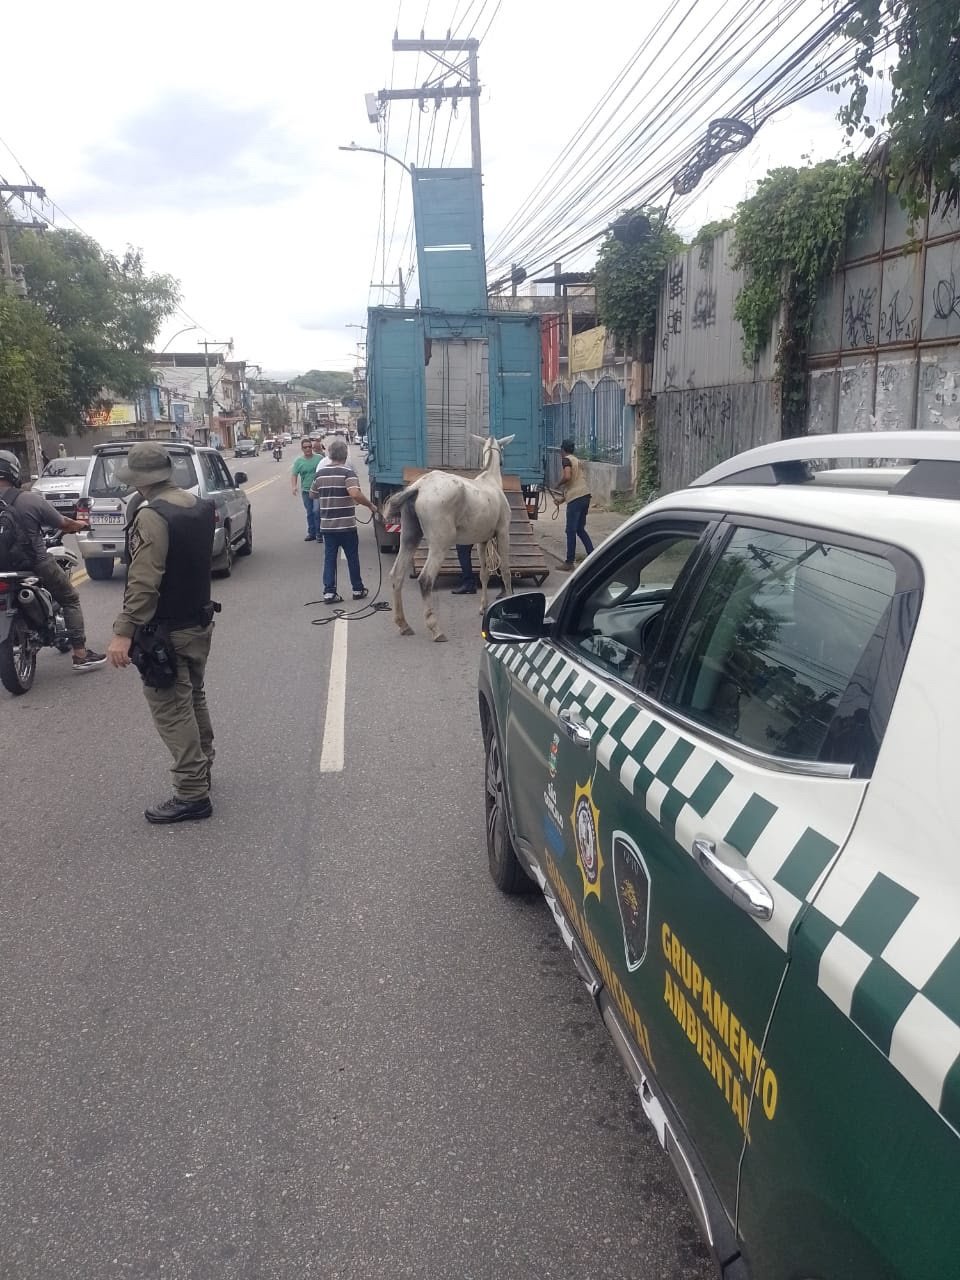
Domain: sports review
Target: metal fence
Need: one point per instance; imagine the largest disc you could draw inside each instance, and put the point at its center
(592, 418)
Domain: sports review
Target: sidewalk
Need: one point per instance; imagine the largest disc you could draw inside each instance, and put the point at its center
(552, 536)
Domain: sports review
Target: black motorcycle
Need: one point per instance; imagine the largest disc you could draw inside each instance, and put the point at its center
(277, 453)
(30, 620)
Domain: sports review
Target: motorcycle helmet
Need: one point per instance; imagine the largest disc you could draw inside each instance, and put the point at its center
(10, 468)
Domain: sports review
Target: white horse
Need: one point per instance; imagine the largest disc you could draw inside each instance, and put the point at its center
(447, 509)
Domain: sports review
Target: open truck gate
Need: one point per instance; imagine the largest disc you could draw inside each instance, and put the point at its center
(450, 369)
(526, 555)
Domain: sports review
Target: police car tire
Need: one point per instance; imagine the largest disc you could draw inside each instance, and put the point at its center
(223, 567)
(100, 568)
(505, 868)
(246, 545)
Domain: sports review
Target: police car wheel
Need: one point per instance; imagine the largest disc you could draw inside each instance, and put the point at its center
(223, 567)
(505, 869)
(246, 545)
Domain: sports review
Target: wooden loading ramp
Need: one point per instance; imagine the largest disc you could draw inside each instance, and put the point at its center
(527, 558)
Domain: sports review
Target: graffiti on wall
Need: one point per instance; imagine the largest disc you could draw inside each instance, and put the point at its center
(898, 323)
(946, 298)
(858, 317)
(704, 313)
(708, 413)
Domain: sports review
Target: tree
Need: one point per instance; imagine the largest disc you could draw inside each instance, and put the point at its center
(103, 313)
(923, 146)
(328, 384)
(276, 414)
(628, 277)
(31, 363)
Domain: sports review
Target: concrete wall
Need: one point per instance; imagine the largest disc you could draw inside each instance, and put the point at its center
(885, 348)
(709, 402)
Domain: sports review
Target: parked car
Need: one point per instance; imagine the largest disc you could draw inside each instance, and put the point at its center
(201, 470)
(726, 751)
(246, 448)
(61, 483)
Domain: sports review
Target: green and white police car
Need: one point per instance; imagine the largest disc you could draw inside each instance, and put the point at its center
(728, 753)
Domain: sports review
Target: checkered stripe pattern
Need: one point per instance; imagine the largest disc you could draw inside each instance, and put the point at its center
(913, 1019)
(865, 944)
(679, 783)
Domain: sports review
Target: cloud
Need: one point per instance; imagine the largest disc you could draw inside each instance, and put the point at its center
(190, 152)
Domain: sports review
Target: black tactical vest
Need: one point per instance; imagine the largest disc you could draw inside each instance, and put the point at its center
(185, 589)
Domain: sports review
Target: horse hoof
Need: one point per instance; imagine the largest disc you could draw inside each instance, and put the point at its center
(440, 639)
(406, 631)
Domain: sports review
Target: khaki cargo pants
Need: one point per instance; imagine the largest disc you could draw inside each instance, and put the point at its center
(181, 717)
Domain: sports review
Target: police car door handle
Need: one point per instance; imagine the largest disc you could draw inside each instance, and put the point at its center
(730, 873)
(575, 729)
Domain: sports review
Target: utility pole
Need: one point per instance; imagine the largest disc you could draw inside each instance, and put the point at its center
(207, 344)
(388, 284)
(440, 50)
(454, 58)
(10, 283)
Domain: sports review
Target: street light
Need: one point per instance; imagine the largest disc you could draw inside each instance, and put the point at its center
(177, 335)
(375, 151)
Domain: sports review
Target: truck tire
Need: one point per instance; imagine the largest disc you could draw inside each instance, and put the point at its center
(100, 568)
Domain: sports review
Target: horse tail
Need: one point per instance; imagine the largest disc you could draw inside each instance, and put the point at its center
(397, 501)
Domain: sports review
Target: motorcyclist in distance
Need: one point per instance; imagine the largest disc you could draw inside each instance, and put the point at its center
(34, 515)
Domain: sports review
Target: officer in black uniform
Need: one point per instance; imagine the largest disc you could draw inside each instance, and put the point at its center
(166, 623)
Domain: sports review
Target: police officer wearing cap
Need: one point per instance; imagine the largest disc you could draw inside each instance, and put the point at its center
(168, 584)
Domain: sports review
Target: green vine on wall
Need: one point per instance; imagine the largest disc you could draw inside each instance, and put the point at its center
(789, 238)
(706, 238)
(628, 278)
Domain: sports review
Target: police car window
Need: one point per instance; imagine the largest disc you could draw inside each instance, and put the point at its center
(105, 481)
(223, 471)
(782, 628)
(66, 467)
(616, 623)
(209, 463)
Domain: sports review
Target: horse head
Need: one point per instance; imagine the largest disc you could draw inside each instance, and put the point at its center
(490, 445)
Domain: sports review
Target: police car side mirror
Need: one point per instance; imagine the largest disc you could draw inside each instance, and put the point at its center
(240, 478)
(515, 619)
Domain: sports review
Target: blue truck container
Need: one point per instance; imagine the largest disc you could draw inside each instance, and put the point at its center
(450, 368)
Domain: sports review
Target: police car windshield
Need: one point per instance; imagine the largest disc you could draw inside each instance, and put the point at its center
(67, 467)
(105, 484)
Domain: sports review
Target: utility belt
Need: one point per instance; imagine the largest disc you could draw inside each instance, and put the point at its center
(152, 651)
(202, 618)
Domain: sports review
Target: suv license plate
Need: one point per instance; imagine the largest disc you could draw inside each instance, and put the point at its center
(112, 518)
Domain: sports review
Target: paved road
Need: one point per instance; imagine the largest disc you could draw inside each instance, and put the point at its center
(307, 1037)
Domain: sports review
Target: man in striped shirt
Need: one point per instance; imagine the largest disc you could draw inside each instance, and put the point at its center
(337, 488)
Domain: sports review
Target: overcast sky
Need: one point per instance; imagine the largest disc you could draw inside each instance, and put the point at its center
(208, 135)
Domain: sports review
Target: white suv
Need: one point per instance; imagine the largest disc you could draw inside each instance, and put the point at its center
(727, 753)
(203, 471)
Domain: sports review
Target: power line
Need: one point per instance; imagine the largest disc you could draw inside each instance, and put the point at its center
(789, 78)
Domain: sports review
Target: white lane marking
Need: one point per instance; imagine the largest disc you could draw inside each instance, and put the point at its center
(331, 754)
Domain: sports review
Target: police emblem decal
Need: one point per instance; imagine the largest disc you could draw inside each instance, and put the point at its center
(552, 758)
(632, 879)
(586, 830)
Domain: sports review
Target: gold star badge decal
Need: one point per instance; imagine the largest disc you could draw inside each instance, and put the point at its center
(586, 831)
